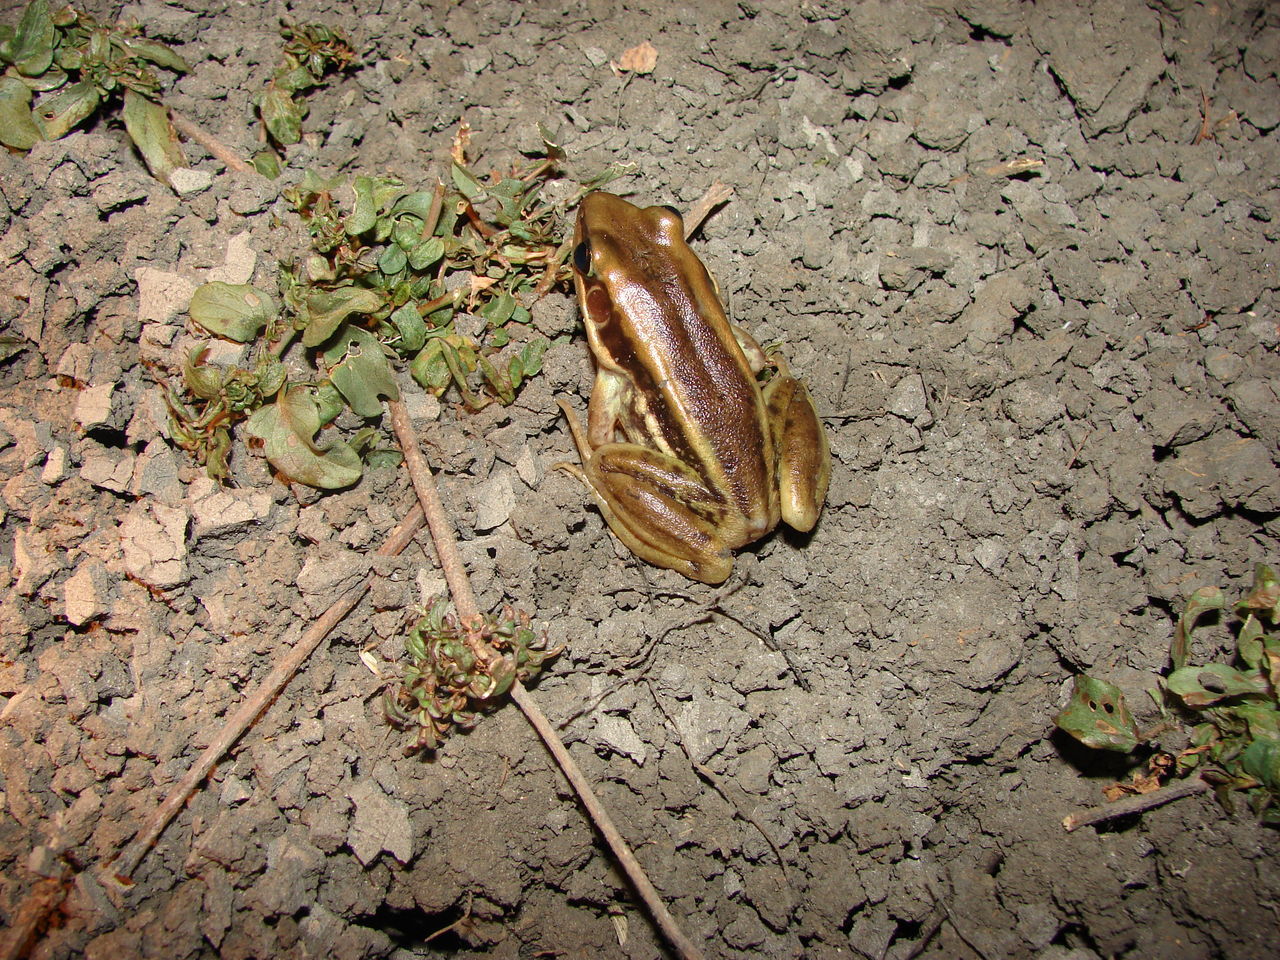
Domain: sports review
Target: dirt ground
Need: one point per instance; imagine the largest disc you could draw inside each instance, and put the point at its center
(1051, 394)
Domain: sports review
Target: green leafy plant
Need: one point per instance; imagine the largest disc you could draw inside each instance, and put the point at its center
(440, 279)
(456, 671)
(76, 65)
(312, 52)
(1233, 709)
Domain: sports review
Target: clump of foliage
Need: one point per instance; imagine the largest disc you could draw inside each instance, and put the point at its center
(457, 671)
(312, 52)
(441, 279)
(76, 65)
(1233, 710)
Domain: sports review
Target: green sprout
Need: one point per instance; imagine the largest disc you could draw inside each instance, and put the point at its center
(1233, 709)
(458, 671)
(76, 65)
(311, 53)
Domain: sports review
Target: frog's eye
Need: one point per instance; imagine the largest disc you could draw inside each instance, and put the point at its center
(582, 258)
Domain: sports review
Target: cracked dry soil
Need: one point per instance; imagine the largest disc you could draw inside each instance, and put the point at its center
(1051, 398)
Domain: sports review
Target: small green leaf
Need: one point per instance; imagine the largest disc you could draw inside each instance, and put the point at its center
(147, 123)
(392, 261)
(1201, 602)
(1250, 642)
(328, 309)
(498, 310)
(282, 115)
(1200, 686)
(1098, 717)
(531, 356)
(1263, 719)
(295, 80)
(365, 214)
(429, 367)
(466, 182)
(31, 48)
(157, 53)
(236, 311)
(418, 204)
(329, 402)
(1261, 760)
(413, 332)
(266, 163)
(17, 128)
(287, 429)
(58, 113)
(426, 253)
(361, 371)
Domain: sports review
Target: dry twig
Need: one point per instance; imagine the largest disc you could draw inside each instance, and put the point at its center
(1143, 801)
(464, 601)
(254, 704)
(217, 149)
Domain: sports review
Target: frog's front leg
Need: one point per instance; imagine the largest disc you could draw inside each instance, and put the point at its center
(658, 507)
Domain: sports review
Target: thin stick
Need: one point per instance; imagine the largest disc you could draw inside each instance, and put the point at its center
(716, 194)
(464, 600)
(217, 149)
(455, 572)
(1143, 801)
(600, 817)
(253, 705)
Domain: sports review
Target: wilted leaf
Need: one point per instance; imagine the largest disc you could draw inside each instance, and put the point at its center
(202, 380)
(287, 429)
(328, 310)
(58, 113)
(1264, 595)
(639, 59)
(362, 372)
(1201, 602)
(282, 115)
(31, 48)
(1098, 717)
(17, 128)
(1200, 686)
(236, 311)
(147, 123)
(1250, 642)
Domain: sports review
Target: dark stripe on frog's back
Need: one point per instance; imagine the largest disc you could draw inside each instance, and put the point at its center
(724, 391)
